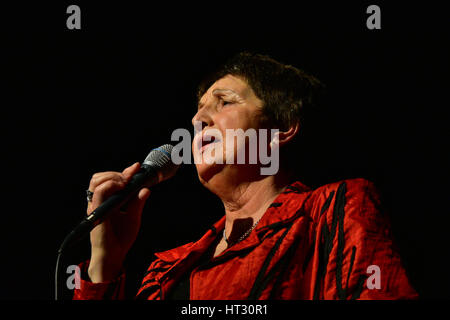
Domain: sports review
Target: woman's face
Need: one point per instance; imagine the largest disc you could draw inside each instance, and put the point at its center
(229, 103)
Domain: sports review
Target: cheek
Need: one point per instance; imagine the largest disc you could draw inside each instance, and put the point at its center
(233, 145)
(236, 119)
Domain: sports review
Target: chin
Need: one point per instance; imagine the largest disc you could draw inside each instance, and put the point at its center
(207, 171)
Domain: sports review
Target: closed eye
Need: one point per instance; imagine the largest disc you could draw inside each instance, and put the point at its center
(225, 102)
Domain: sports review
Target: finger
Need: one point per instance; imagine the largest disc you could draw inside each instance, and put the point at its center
(99, 178)
(143, 195)
(131, 170)
(136, 205)
(103, 191)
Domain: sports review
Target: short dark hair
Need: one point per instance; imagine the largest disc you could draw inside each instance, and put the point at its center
(286, 91)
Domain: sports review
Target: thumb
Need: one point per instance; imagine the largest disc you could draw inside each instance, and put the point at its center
(136, 205)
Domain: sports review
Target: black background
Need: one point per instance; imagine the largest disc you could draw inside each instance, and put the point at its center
(76, 102)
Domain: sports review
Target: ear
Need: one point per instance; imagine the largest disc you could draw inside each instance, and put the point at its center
(282, 137)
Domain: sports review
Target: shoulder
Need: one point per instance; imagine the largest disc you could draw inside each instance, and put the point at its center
(351, 196)
(173, 255)
(166, 259)
(353, 187)
(160, 266)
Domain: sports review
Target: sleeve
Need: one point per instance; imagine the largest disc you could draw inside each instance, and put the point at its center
(112, 290)
(358, 259)
(150, 287)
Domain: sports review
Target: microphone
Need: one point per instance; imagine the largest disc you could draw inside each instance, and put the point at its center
(156, 168)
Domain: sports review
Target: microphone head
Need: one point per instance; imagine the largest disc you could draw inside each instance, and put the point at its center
(160, 159)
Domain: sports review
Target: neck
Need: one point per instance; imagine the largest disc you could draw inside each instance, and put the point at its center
(246, 201)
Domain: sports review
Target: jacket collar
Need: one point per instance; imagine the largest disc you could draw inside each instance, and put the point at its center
(200, 246)
(283, 209)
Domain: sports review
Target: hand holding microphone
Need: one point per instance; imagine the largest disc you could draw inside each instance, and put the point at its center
(114, 213)
(113, 238)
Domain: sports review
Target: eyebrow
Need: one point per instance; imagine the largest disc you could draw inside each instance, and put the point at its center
(217, 92)
(223, 91)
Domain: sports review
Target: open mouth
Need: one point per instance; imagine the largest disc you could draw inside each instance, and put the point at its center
(206, 141)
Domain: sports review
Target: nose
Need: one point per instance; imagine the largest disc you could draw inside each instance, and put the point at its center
(202, 119)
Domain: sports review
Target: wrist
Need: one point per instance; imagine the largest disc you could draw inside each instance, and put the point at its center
(104, 269)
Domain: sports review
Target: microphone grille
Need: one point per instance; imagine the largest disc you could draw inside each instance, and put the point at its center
(160, 156)
(161, 159)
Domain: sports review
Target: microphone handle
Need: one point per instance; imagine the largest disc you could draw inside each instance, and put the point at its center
(147, 176)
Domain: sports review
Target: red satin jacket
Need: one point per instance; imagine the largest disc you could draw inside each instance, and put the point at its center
(330, 243)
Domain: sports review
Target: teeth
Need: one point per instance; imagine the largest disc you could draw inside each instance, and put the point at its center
(204, 143)
(211, 139)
